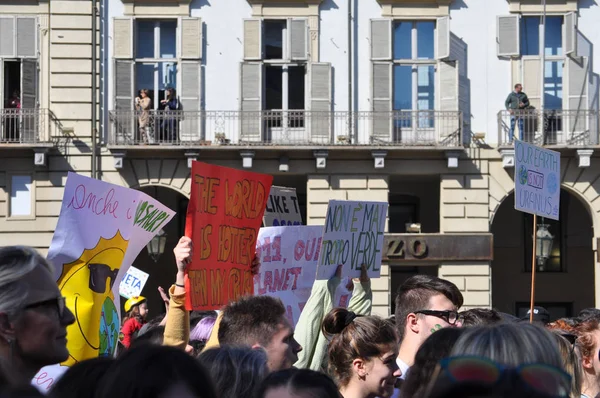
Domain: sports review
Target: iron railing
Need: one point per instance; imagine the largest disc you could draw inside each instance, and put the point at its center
(286, 128)
(549, 127)
(28, 126)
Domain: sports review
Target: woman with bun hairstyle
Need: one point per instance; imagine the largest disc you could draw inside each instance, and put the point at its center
(362, 354)
(137, 311)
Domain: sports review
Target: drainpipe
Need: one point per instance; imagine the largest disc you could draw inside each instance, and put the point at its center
(352, 132)
(94, 92)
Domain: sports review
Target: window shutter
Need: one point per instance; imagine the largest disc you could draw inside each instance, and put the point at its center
(508, 35)
(7, 37)
(448, 89)
(320, 102)
(298, 39)
(570, 36)
(122, 38)
(190, 98)
(124, 121)
(252, 39)
(577, 99)
(27, 37)
(30, 120)
(381, 39)
(531, 69)
(442, 34)
(191, 38)
(382, 101)
(251, 102)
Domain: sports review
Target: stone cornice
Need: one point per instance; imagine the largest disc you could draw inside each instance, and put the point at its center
(415, 3)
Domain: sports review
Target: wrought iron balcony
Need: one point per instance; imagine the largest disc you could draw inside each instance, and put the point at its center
(549, 127)
(286, 128)
(28, 126)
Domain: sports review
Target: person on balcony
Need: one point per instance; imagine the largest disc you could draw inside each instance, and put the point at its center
(171, 108)
(516, 103)
(143, 105)
(13, 105)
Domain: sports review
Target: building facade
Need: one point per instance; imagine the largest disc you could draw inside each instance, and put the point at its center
(391, 100)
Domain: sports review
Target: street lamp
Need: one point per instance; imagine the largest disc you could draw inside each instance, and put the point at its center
(543, 245)
(156, 247)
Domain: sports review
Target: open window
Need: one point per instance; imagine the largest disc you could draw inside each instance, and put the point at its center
(276, 39)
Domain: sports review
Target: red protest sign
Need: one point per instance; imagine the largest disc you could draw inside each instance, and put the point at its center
(223, 218)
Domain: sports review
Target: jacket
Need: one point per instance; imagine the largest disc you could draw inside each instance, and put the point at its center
(130, 327)
(514, 99)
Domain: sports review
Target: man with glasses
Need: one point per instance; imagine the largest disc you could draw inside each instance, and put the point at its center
(424, 304)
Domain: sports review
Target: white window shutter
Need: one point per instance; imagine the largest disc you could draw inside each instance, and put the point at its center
(381, 39)
(298, 39)
(320, 102)
(123, 124)
(570, 34)
(27, 32)
(442, 34)
(508, 35)
(123, 38)
(7, 36)
(382, 101)
(531, 68)
(29, 90)
(578, 73)
(252, 39)
(191, 38)
(190, 95)
(251, 122)
(448, 91)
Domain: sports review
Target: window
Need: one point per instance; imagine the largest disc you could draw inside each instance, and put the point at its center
(285, 91)
(155, 58)
(20, 196)
(274, 34)
(553, 85)
(530, 36)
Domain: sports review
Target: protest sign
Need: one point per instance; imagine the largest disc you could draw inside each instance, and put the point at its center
(282, 208)
(289, 257)
(101, 229)
(223, 217)
(352, 236)
(537, 180)
(133, 283)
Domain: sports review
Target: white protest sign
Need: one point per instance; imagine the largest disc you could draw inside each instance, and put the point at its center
(133, 283)
(288, 268)
(537, 180)
(282, 208)
(352, 236)
(101, 229)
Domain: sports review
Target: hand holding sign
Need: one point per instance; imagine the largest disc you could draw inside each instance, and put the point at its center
(183, 253)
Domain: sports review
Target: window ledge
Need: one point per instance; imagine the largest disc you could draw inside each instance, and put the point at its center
(533, 7)
(277, 2)
(157, 7)
(156, 2)
(415, 8)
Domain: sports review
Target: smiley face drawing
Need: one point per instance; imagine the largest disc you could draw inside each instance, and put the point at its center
(87, 285)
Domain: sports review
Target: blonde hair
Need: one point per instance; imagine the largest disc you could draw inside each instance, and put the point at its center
(571, 361)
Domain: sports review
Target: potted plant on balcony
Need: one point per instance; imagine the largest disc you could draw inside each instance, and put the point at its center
(220, 139)
(342, 139)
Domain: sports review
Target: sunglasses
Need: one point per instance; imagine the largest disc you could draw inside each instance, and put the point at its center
(59, 302)
(99, 274)
(541, 378)
(451, 317)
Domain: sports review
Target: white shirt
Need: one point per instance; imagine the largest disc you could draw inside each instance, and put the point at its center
(404, 370)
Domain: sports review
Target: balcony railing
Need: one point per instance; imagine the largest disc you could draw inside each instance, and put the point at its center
(286, 128)
(28, 126)
(549, 127)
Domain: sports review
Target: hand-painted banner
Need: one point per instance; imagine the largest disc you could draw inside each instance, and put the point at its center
(101, 229)
(282, 208)
(223, 218)
(133, 283)
(289, 258)
(352, 236)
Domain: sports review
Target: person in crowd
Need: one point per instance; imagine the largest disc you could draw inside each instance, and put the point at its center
(20, 392)
(308, 330)
(480, 317)
(434, 349)
(153, 371)
(260, 321)
(236, 372)
(587, 313)
(362, 354)
(136, 310)
(424, 304)
(541, 316)
(571, 363)
(197, 316)
(143, 105)
(588, 343)
(515, 104)
(13, 107)
(33, 315)
(298, 383)
(201, 332)
(154, 335)
(170, 106)
(82, 379)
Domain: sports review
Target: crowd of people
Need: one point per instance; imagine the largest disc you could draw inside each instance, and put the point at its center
(251, 350)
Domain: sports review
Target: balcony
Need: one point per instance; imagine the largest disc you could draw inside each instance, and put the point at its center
(28, 127)
(577, 128)
(286, 128)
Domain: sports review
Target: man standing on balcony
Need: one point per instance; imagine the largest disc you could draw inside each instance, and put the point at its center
(516, 103)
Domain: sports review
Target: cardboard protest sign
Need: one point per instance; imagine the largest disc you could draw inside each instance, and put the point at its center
(282, 208)
(289, 257)
(223, 218)
(101, 229)
(537, 180)
(133, 283)
(352, 236)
